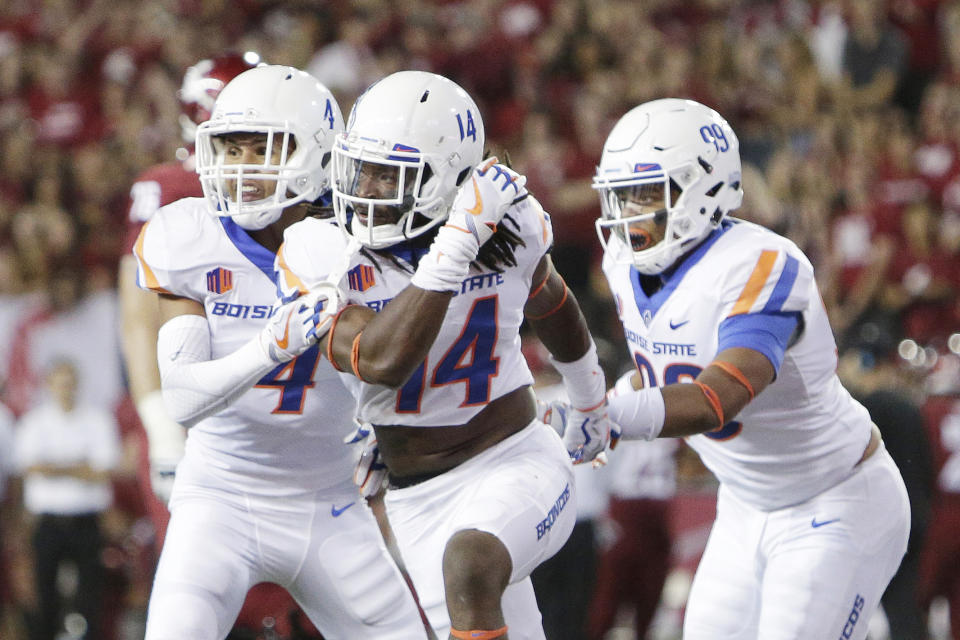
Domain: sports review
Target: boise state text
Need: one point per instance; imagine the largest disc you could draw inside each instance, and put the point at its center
(244, 311)
(482, 281)
(657, 348)
(544, 525)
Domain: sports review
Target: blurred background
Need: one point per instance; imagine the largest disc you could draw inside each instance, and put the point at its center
(848, 113)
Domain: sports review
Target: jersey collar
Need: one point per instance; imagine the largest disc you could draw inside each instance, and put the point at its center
(252, 250)
(650, 305)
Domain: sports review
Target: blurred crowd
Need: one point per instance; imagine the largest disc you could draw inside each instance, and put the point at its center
(848, 113)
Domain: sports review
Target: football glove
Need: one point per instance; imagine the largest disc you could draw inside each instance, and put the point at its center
(585, 434)
(478, 208)
(298, 325)
(481, 203)
(370, 474)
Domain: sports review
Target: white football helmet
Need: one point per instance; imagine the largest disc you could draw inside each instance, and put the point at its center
(298, 114)
(691, 155)
(423, 130)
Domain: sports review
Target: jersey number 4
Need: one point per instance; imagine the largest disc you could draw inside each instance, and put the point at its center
(470, 359)
(292, 379)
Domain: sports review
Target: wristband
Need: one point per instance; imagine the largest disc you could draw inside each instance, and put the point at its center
(583, 380)
(624, 384)
(736, 374)
(640, 414)
(448, 260)
(714, 400)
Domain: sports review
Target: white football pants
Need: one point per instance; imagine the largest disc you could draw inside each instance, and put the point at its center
(520, 490)
(813, 570)
(325, 549)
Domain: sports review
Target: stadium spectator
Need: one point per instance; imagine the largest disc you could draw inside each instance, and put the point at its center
(66, 451)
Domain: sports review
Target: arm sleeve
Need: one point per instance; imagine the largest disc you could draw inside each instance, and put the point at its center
(195, 386)
(768, 333)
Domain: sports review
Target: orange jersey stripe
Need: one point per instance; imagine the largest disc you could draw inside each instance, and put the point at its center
(288, 275)
(543, 225)
(151, 280)
(751, 291)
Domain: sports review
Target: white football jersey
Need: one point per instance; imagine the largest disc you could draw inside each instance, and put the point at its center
(283, 436)
(804, 432)
(475, 358)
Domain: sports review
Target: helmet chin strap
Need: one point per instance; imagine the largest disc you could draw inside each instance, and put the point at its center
(381, 236)
(254, 221)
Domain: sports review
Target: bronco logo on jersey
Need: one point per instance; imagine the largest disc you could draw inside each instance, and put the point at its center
(361, 277)
(219, 280)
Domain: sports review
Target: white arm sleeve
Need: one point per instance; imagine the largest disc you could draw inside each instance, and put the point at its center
(194, 386)
(639, 414)
(583, 380)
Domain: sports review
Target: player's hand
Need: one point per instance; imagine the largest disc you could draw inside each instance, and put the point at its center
(370, 474)
(298, 325)
(483, 200)
(585, 434)
(163, 472)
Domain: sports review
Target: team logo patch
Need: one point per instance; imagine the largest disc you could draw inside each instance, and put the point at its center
(361, 277)
(219, 280)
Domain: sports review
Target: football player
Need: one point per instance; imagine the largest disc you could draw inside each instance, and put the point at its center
(733, 352)
(264, 491)
(454, 255)
(140, 319)
(158, 186)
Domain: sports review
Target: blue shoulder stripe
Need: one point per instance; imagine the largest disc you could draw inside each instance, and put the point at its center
(784, 285)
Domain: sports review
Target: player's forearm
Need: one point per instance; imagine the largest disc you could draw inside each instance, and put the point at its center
(673, 411)
(391, 343)
(554, 313)
(718, 394)
(194, 384)
(687, 412)
(564, 333)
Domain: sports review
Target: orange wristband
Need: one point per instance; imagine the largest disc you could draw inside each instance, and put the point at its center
(734, 373)
(713, 400)
(333, 326)
(355, 356)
